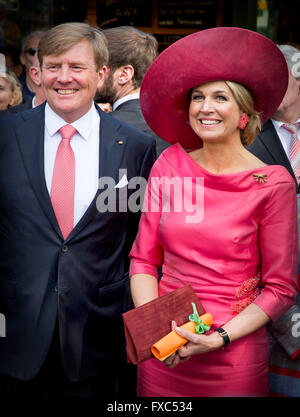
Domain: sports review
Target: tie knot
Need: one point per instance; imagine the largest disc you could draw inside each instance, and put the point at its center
(291, 127)
(67, 131)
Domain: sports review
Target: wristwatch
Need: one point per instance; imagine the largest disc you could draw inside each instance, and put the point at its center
(224, 335)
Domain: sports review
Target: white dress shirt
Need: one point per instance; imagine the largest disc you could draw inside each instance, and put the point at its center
(284, 135)
(85, 145)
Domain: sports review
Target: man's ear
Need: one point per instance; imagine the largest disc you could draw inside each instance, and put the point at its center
(126, 73)
(101, 76)
(34, 73)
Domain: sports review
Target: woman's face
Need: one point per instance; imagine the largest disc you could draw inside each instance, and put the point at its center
(6, 95)
(213, 112)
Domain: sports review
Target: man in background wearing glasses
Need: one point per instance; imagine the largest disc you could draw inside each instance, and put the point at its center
(29, 49)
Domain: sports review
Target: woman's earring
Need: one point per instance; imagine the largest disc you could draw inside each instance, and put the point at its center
(243, 121)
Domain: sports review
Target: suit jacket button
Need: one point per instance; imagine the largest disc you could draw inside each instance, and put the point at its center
(65, 249)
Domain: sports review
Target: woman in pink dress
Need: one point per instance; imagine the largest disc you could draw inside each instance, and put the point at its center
(215, 216)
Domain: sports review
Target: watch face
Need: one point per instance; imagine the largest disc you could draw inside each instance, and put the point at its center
(219, 330)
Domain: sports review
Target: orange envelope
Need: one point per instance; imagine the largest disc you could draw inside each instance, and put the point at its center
(172, 341)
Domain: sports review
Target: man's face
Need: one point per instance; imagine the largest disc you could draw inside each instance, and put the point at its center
(291, 99)
(27, 56)
(108, 91)
(70, 80)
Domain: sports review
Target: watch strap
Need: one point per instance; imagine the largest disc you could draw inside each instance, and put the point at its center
(224, 335)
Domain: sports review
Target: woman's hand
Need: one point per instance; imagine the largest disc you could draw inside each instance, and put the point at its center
(246, 322)
(175, 359)
(198, 343)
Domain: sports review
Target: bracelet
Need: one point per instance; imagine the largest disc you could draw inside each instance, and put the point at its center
(224, 335)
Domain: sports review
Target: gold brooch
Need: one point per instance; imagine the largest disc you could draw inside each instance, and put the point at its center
(260, 178)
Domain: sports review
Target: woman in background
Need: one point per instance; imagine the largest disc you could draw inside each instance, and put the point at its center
(10, 90)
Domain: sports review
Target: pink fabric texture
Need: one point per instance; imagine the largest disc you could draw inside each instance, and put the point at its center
(63, 182)
(242, 249)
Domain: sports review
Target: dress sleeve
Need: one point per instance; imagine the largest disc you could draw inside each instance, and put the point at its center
(284, 331)
(279, 251)
(146, 255)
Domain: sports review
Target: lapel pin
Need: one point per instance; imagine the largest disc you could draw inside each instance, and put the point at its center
(260, 178)
(120, 142)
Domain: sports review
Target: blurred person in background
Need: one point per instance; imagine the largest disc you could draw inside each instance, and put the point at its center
(39, 97)
(10, 89)
(131, 52)
(10, 33)
(12, 57)
(27, 57)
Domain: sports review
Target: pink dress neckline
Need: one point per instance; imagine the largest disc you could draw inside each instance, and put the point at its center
(177, 158)
(218, 175)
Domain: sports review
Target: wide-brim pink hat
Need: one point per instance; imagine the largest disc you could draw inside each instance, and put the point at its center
(223, 53)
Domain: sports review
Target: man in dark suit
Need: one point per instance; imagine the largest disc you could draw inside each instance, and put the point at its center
(272, 144)
(131, 52)
(277, 144)
(63, 259)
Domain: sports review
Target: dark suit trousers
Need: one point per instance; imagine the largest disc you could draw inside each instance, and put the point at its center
(51, 381)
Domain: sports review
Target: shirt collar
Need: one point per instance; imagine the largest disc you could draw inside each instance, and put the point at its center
(124, 99)
(84, 125)
(279, 124)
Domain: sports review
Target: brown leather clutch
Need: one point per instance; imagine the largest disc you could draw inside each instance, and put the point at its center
(146, 324)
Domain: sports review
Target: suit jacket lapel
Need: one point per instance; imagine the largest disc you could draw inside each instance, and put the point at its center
(274, 146)
(111, 148)
(30, 136)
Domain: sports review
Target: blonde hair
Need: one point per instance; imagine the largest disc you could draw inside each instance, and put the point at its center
(15, 87)
(62, 37)
(246, 103)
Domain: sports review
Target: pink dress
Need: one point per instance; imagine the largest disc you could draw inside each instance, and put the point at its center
(234, 238)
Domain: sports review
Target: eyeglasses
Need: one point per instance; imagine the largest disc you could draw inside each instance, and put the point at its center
(31, 51)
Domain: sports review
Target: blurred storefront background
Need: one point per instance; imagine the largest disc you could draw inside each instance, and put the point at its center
(168, 20)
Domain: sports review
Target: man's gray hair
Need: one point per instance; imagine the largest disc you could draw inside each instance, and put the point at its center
(32, 35)
(292, 57)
